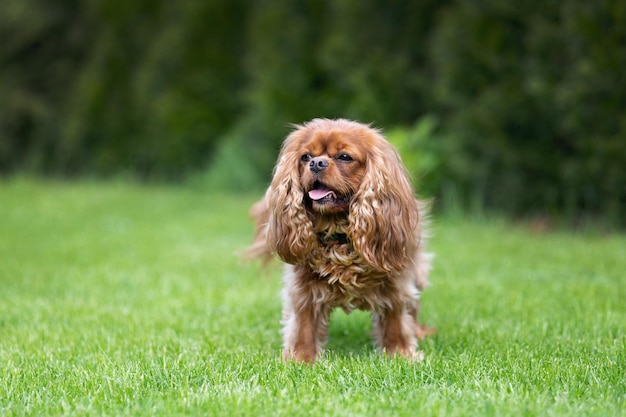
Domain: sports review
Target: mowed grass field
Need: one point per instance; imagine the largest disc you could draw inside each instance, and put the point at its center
(118, 299)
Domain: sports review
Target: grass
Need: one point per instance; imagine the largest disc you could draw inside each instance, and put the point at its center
(117, 299)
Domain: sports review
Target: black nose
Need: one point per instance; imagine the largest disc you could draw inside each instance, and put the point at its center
(318, 164)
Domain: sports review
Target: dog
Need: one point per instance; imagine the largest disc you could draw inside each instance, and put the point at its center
(340, 212)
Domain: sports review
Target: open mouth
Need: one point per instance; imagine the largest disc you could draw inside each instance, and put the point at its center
(321, 195)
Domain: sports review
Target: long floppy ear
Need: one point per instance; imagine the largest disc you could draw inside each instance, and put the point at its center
(384, 213)
(289, 229)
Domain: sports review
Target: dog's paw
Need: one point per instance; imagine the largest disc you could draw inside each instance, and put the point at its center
(290, 355)
(418, 356)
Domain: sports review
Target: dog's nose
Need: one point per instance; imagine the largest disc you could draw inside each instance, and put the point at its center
(318, 164)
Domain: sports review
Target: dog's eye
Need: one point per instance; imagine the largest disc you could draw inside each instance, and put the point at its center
(344, 157)
(306, 157)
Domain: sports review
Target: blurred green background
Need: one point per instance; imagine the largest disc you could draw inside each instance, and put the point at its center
(496, 106)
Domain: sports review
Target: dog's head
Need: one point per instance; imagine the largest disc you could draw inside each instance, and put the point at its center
(342, 169)
(332, 166)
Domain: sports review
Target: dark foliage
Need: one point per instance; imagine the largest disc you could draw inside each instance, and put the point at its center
(524, 102)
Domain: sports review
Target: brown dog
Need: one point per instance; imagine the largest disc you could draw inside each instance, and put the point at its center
(340, 212)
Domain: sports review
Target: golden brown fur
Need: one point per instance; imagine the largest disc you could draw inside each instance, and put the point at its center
(340, 212)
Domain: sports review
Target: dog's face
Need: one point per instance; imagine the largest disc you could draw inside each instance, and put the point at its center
(345, 172)
(332, 166)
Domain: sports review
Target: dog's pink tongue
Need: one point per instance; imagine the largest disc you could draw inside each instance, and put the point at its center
(320, 193)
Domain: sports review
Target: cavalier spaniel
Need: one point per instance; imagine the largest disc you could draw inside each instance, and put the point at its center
(340, 212)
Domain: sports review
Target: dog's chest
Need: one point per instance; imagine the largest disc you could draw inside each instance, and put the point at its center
(350, 281)
(337, 261)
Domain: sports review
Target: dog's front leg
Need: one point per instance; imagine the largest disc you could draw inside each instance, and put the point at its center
(304, 336)
(305, 320)
(395, 333)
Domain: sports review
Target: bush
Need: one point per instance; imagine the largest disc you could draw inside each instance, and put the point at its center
(533, 97)
(421, 148)
(511, 106)
(108, 86)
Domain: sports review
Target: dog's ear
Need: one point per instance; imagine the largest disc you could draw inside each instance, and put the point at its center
(384, 212)
(289, 229)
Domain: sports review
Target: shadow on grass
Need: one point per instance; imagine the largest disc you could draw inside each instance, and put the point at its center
(350, 334)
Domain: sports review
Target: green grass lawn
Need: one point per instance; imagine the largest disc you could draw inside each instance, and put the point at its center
(117, 299)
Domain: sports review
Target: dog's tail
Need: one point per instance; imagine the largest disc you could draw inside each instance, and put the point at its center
(423, 258)
(259, 249)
